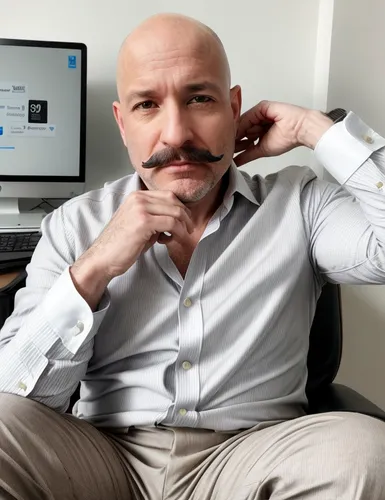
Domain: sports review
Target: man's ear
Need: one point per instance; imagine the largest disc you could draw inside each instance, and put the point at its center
(236, 103)
(116, 108)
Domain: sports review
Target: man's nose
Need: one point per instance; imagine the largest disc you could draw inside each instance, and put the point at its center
(176, 128)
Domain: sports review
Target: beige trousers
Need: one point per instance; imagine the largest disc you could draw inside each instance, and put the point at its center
(45, 456)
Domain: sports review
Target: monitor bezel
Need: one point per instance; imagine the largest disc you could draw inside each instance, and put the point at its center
(83, 111)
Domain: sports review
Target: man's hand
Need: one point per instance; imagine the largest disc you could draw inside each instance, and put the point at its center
(139, 222)
(278, 127)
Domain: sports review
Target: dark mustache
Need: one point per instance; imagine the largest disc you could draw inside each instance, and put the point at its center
(186, 153)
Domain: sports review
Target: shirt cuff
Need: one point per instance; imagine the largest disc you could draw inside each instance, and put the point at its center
(70, 316)
(346, 146)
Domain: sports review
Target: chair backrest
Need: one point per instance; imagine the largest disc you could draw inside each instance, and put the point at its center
(325, 348)
(7, 296)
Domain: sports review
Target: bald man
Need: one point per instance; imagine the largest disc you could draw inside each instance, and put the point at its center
(181, 297)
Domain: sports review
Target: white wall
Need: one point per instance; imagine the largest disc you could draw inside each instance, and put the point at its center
(271, 47)
(357, 82)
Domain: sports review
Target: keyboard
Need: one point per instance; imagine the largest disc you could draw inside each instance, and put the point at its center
(19, 242)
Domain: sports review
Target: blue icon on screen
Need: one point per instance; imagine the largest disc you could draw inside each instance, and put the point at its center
(72, 62)
(1, 131)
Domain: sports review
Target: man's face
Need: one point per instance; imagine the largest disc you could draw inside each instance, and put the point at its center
(174, 94)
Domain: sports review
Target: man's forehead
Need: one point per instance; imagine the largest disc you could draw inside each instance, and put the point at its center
(189, 54)
(187, 73)
(169, 34)
(154, 54)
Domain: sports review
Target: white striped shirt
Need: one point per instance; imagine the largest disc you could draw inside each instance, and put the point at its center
(225, 347)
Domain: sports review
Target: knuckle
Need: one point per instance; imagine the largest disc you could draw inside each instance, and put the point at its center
(142, 217)
(170, 195)
(139, 200)
(135, 196)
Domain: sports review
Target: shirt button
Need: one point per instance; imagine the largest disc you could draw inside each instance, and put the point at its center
(379, 184)
(79, 327)
(368, 139)
(183, 412)
(186, 365)
(187, 302)
(21, 385)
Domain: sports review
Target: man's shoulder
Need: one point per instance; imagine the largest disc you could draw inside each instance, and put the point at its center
(110, 196)
(86, 215)
(290, 180)
(293, 174)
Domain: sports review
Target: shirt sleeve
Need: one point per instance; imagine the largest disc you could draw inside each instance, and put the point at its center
(346, 223)
(46, 344)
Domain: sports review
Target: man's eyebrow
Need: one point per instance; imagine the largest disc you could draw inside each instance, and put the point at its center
(202, 86)
(141, 94)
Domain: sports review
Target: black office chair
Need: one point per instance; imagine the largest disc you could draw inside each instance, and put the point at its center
(324, 359)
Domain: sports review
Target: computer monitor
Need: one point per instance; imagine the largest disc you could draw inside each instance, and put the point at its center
(43, 90)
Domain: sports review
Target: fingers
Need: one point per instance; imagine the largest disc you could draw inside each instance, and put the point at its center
(246, 122)
(258, 115)
(162, 203)
(169, 225)
(243, 145)
(253, 134)
(176, 212)
(250, 154)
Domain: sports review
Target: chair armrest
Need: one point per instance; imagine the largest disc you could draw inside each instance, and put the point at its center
(338, 397)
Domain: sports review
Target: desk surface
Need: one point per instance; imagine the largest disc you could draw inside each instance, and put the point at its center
(6, 279)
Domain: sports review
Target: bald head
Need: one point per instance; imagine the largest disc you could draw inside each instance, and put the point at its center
(164, 34)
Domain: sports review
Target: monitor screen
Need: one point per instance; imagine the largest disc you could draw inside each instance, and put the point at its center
(42, 111)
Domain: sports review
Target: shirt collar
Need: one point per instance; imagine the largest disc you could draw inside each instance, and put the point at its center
(237, 184)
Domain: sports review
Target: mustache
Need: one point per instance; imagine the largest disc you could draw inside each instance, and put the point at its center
(186, 153)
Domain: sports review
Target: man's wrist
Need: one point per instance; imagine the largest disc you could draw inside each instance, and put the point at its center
(89, 281)
(313, 127)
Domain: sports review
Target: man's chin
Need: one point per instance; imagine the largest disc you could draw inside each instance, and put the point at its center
(191, 196)
(189, 192)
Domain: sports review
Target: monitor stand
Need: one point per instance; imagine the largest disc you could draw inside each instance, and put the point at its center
(12, 219)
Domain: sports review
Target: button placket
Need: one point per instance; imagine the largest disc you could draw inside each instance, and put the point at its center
(187, 388)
